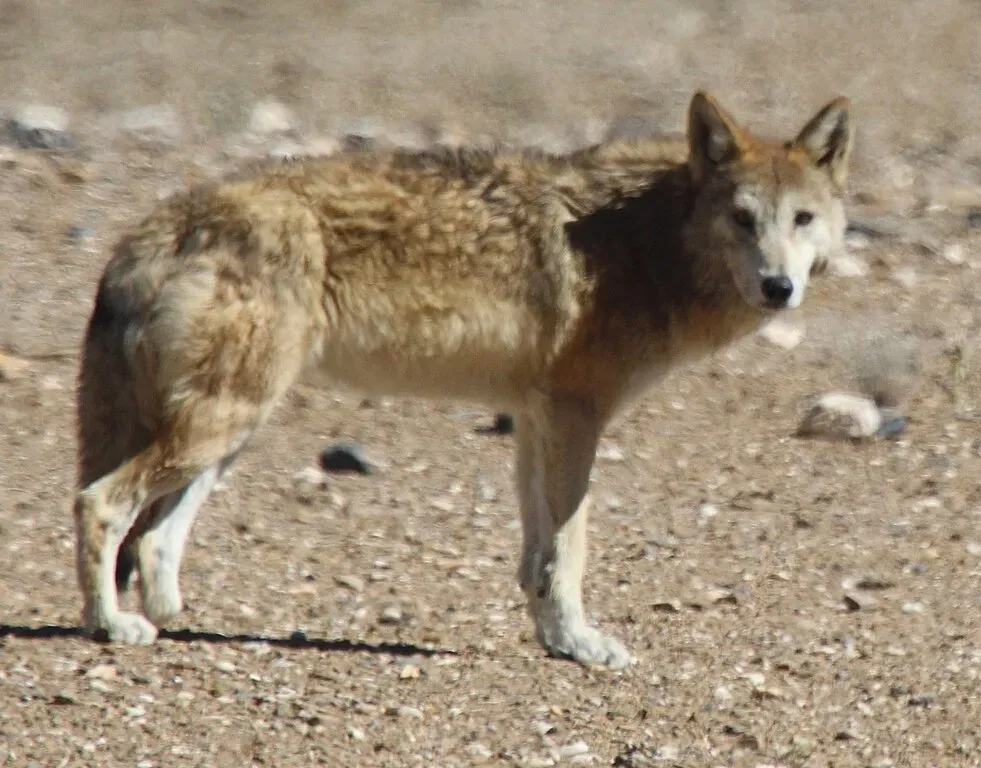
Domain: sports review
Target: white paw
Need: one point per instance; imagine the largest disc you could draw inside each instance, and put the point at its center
(129, 629)
(588, 646)
(162, 606)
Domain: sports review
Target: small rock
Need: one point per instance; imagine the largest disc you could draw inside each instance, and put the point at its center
(356, 733)
(954, 254)
(846, 265)
(391, 614)
(353, 583)
(410, 672)
(571, 750)
(298, 636)
(322, 146)
(409, 712)
(38, 126)
(856, 601)
(155, 123)
(12, 368)
(906, 277)
(503, 425)
(310, 479)
(270, 117)
(782, 334)
(479, 751)
(921, 700)
(841, 415)
(667, 606)
(287, 150)
(914, 608)
(80, 233)
(345, 457)
(973, 548)
(610, 452)
(225, 666)
(364, 134)
(543, 728)
(866, 583)
(102, 672)
(537, 762)
(708, 510)
(756, 679)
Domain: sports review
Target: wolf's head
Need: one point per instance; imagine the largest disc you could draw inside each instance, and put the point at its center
(773, 210)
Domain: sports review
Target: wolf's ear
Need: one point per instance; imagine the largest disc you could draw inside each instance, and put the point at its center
(714, 137)
(828, 138)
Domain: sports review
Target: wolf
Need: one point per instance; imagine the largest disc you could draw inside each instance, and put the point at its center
(556, 288)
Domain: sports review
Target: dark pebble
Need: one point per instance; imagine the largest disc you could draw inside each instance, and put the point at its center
(345, 457)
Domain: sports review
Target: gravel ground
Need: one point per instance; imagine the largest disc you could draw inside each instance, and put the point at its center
(792, 602)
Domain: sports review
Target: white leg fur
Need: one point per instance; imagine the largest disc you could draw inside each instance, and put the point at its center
(110, 524)
(161, 548)
(555, 455)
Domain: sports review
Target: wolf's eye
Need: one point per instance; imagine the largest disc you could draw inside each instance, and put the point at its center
(803, 218)
(744, 219)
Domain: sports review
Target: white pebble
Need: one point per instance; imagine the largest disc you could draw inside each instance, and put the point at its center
(841, 415)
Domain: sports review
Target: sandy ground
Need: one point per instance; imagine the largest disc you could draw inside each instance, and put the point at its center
(792, 602)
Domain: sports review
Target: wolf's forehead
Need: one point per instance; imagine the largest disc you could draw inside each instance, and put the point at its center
(771, 177)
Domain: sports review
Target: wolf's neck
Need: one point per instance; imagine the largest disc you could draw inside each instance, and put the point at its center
(612, 174)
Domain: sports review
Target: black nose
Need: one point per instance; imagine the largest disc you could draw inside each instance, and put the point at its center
(777, 290)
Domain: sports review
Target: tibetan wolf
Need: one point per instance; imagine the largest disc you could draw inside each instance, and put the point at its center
(556, 288)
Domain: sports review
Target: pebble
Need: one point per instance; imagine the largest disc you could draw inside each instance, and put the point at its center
(287, 150)
(353, 583)
(39, 126)
(410, 672)
(479, 751)
(155, 123)
(841, 415)
(391, 614)
(856, 601)
(345, 457)
(356, 733)
(610, 452)
(322, 146)
(954, 254)
(906, 277)
(915, 608)
(847, 265)
(503, 425)
(270, 117)
(225, 666)
(409, 712)
(102, 672)
(571, 750)
(310, 478)
(782, 334)
(12, 368)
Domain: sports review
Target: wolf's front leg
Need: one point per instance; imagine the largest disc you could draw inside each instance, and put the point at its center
(556, 447)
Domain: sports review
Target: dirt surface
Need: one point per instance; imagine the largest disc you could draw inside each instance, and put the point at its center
(791, 602)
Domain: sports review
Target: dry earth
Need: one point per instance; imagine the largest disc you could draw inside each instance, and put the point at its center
(792, 602)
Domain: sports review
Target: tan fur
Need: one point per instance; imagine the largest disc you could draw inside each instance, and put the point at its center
(557, 288)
